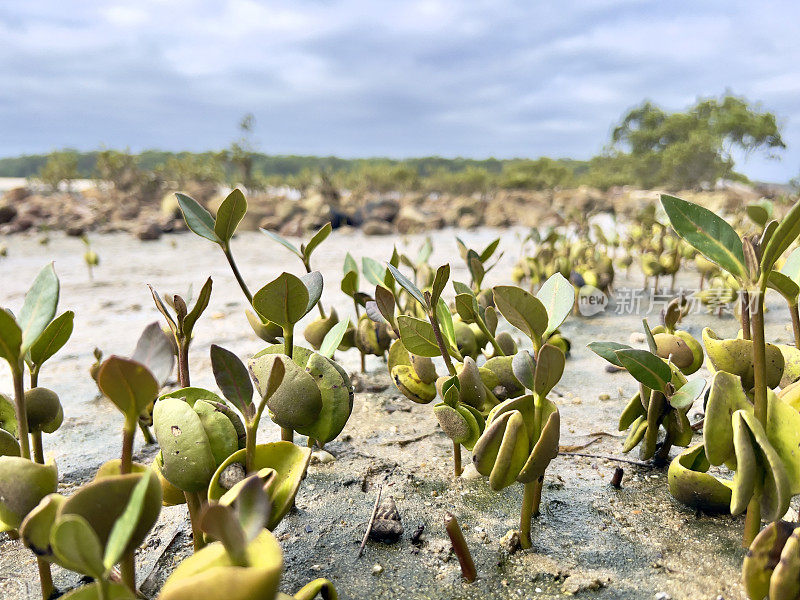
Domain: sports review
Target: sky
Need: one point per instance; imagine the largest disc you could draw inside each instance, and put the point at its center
(355, 78)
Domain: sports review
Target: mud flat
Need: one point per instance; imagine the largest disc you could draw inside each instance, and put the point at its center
(591, 540)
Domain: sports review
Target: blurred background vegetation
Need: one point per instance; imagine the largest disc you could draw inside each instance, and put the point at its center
(648, 148)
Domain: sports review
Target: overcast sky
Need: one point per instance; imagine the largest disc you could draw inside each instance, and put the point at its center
(367, 77)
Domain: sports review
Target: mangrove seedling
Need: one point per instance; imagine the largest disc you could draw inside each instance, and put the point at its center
(771, 567)
(90, 257)
(284, 301)
(245, 563)
(750, 261)
(95, 529)
(182, 324)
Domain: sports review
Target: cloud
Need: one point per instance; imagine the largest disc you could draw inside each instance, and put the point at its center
(360, 77)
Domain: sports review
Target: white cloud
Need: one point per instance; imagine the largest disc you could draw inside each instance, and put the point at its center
(362, 77)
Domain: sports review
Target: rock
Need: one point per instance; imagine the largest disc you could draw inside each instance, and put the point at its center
(76, 229)
(322, 457)
(383, 210)
(377, 569)
(663, 596)
(470, 473)
(377, 228)
(7, 213)
(581, 582)
(17, 194)
(148, 231)
(231, 475)
(510, 541)
(413, 220)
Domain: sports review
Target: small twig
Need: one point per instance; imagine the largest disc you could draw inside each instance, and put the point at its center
(578, 446)
(638, 463)
(407, 441)
(460, 547)
(616, 480)
(699, 425)
(371, 522)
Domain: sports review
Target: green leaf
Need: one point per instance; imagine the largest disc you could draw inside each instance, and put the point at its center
(126, 524)
(233, 379)
(425, 251)
(558, 296)
(128, 384)
(350, 283)
(333, 338)
(77, 546)
(489, 250)
(252, 507)
(648, 335)
(199, 308)
(313, 282)
(39, 307)
(524, 366)
(384, 299)
(53, 338)
(462, 288)
(646, 368)
(791, 268)
(758, 214)
(373, 270)
(446, 323)
(549, 368)
(10, 338)
(230, 214)
(283, 300)
(221, 524)
(154, 350)
(197, 218)
(784, 236)
(708, 233)
(466, 307)
(439, 281)
(608, 350)
(784, 285)
(283, 242)
(162, 308)
(317, 239)
(686, 396)
(476, 268)
(350, 264)
(408, 286)
(522, 309)
(418, 336)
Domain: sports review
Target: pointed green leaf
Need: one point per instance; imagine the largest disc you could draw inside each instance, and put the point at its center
(10, 338)
(283, 242)
(646, 368)
(425, 251)
(220, 523)
(53, 338)
(466, 307)
(685, 397)
(446, 323)
(522, 309)
(39, 307)
(489, 250)
(126, 524)
(707, 232)
(197, 218)
(373, 271)
(333, 338)
(233, 378)
(317, 239)
(408, 285)
(350, 283)
(462, 288)
(418, 336)
(252, 507)
(230, 214)
(608, 350)
(384, 299)
(784, 236)
(283, 300)
(350, 264)
(439, 281)
(200, 306)
(784, 285)
(558, 296)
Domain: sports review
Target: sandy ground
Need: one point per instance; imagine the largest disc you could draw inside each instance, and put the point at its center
(591, 539)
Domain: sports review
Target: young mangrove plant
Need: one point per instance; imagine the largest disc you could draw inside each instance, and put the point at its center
(96, 528)
(664, 397)
(522, 433)
(246, 562)
(771, 568)
(750, 261)
(90, 257)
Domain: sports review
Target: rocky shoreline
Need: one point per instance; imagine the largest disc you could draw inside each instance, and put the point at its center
(101, 209)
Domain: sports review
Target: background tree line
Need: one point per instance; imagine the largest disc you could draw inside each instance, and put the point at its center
(649, 148)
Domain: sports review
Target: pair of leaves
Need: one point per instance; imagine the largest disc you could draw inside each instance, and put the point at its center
(182, 324)
(523, 310)
(645, 367)
(77, 546)
(305, 250)
(219, 230)
(288, 298)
